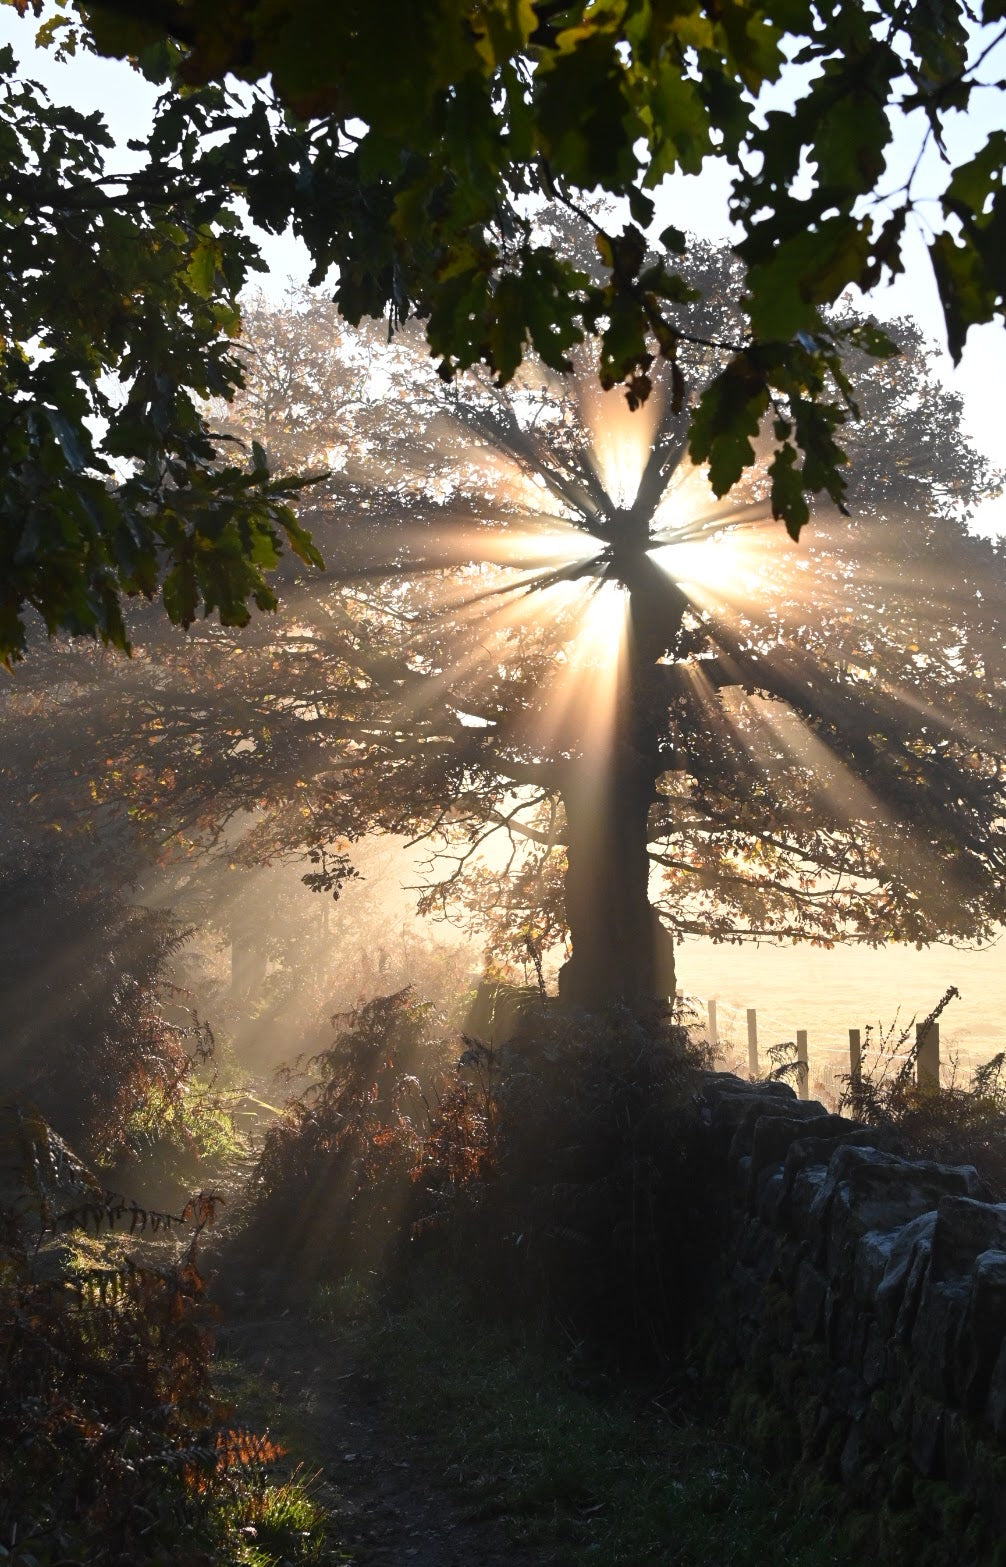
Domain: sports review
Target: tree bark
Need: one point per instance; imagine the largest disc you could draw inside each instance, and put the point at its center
(621, 950)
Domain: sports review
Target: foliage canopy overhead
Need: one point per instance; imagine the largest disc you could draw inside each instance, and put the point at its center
(419, 149)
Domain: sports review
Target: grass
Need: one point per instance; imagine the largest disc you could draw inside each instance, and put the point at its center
(280, 1526)
(581, 1473)
(283, 1520)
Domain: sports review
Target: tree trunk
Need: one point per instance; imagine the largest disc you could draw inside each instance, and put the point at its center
(621, 951)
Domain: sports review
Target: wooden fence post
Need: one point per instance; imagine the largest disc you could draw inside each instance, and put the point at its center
(802, 1065)
(855, 1058)
(752, 1042)
(927, 1058)
(714, 1037)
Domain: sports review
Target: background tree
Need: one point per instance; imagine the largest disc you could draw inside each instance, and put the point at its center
(120, 796)
(91, 1035)
(807, 742)
(510, 113)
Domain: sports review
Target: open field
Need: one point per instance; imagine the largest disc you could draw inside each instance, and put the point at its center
(827, 993)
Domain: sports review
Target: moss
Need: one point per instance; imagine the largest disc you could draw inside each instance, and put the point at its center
(900, 1538)
(902, 1487)
(990, 1464)
(880, 1403)
(928, 1497)
(877, 1430)
(764, 1429)
(859, 1535)
(832, 1455)
(956, 1512)
(742, 1410)
(808, 1413)
(786, 1378)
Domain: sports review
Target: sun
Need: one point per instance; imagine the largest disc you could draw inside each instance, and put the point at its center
(716, 552)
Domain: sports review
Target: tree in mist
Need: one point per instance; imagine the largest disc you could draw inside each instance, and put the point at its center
(90, 1030)
(537, 631)
(570, 646)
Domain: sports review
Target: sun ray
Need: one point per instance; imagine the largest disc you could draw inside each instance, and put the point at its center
(827, 779)
(528, 544)
(621, 439)
(577, 706)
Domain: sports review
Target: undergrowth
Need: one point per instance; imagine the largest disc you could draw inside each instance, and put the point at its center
(596, 1212)
(114, 1447)
(89, 1034)
(337, 1182)
(563, 1171)
(962, 1123)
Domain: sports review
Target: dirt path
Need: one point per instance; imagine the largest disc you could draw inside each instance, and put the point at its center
(392, 1507)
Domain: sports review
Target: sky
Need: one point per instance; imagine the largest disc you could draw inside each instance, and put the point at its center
(699, 203)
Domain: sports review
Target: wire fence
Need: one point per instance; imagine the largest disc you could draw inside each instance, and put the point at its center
(754, 1041)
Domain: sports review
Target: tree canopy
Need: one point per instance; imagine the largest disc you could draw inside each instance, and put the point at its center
(422, 151)
(538, 630)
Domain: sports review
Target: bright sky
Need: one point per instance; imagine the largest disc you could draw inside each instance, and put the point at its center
(698, 203)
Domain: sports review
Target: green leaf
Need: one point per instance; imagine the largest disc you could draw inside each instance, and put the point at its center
(641, 207)
(508, 332)
(624, 347)
(960, 278)
(788, 499)
(674, 240)
(181, 594)
(202, 268)
(726, 422)
(810, 269)
(975, 183)
(870, 338)
(73, 441)
(853, 129)
(679, 124)
(586, 119)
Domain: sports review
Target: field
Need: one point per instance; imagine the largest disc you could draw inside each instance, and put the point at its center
(827, 993)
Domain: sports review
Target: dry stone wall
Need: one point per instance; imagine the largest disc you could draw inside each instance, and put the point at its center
(861, 1323)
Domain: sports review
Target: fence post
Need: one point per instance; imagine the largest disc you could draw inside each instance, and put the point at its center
(752, 1042)
(802, 1065)
(714, 1037)
(927, 1058)
(855, 1058)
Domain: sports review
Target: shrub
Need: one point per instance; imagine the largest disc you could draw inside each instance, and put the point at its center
(114, 1447)
(337, 1184)
(562, 1172)
(86, 1035)
(595, 1210)
(962, 1124)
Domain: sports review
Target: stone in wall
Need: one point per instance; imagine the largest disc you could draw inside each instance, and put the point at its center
(865, 1299)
